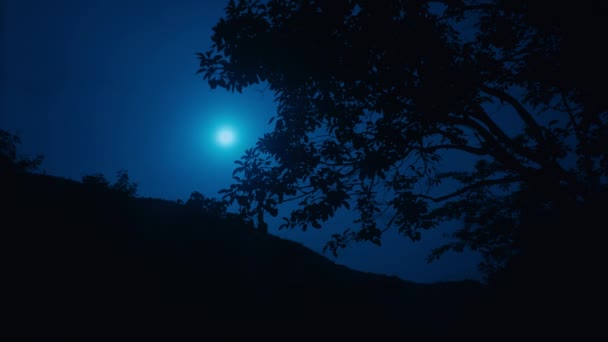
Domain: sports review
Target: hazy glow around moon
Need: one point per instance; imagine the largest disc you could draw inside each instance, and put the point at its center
(225, 136)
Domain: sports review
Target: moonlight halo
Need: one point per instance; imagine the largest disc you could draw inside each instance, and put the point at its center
(225, 136)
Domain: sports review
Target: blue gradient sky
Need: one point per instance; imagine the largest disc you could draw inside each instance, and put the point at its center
(103, 85)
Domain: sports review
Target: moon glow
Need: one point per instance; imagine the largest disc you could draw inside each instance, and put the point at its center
(225, 136)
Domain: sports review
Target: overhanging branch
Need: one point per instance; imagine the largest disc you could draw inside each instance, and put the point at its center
(526, 116)
(488, 182)
(535, 130)
(483, 117)
(493, 147)
(470, 149)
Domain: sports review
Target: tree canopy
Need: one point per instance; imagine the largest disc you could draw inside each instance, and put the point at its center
(374, 98)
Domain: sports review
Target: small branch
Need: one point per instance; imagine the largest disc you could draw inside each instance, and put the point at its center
(343, 164)
(390, 223)
(488, 182)
(473, 150)
(304, 194)
(577, 132)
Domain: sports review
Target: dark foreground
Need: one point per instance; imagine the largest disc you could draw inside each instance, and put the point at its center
(88, 259)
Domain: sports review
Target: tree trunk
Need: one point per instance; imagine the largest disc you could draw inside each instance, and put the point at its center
(262, 226)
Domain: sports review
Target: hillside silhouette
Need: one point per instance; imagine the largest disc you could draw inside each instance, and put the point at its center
(81, 254)
(92, 255)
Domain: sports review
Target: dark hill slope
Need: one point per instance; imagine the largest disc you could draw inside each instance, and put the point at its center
(78, 255)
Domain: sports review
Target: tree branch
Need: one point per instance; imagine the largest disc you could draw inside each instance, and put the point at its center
(470, 149)
(304, 194)
(535, 130)
(488, 182)
(526, 116)
(577, 132)
(493, 147)
(481, 115)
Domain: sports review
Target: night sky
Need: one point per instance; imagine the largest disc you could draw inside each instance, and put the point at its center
(104, 85)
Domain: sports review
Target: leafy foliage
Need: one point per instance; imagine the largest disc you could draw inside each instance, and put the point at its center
(374, 96)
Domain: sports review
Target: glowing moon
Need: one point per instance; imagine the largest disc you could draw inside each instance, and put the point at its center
(225, 136)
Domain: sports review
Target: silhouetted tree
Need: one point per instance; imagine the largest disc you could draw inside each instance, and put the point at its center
(96, 181)
(373, 95)
(10, 160)
(209, 206)
(122, 186)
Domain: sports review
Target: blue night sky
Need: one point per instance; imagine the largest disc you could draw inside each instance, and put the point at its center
(104, 85)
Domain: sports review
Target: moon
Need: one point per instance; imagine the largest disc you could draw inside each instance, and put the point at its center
(225, 136)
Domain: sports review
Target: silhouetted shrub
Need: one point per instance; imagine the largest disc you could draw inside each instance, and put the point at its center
(238, 220)
(122, 184)
(208, 206)
(98, 182)
(10, 159)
